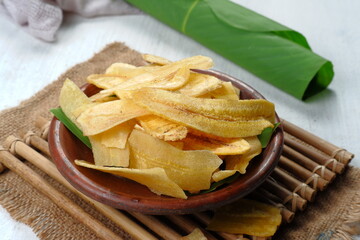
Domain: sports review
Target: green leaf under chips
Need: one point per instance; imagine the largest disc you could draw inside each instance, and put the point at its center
(266, 134)
(60, 115)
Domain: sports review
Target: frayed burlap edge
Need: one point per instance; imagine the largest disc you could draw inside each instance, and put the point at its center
(351, 222)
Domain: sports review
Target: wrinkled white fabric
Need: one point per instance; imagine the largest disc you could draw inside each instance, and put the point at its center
(91, 8)
(42, 18)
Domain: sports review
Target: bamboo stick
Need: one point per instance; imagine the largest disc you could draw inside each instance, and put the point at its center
(157, 226)
(294, 185)
(290, 199)
(309, 164)
(49, 168)
(322, 159)
(43, 124)
(188, 225)
(205, 220)
(30, 138)
(303, 173)
(262, 194)
(342, 155)
(57, 197)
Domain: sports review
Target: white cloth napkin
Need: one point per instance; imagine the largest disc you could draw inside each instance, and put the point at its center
(42, 18)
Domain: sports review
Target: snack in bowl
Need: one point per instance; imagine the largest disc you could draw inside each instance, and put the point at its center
(176, 130)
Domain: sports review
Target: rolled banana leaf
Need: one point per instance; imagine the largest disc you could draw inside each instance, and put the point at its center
(267, 49)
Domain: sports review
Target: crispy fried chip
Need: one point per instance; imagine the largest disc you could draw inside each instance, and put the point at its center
(162, 128)
(120, 69)
(154, 178)
(72, 99)
(105, 81)
(219, 146)
(222, 174)
(219, 117)
(155, 59)
(178, 145)
(100, 98)
(246, 217)
(109, 156)
(191, 170)
(200, 84)
(104, 116)
(117, 136)
(240, 162)
(196, 234)
(167, 79)
(226, 91)
(171, 76)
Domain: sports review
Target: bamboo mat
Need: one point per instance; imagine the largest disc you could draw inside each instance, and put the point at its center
(305, 169)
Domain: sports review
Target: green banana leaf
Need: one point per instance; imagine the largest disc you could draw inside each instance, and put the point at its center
(267, 49)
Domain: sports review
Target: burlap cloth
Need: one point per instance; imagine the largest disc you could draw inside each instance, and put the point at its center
(329, 215)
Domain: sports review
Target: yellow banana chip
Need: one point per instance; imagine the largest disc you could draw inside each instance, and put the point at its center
(71, 99)
(105, 81)
(109, 156)
(219, 146)
(191, 170)
(117, 136)
(226, 91)
(120, 69)
(246, 217)
(154, 178)
(104, 116)
(219, 117)
(155, 59)
(222, 174)
(200, 84)
(162, 128)
(240, 162)
(196, 234)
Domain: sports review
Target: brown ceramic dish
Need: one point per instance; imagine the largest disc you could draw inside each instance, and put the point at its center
(125, 194)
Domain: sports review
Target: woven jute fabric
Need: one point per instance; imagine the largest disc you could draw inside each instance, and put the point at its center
(331, 214)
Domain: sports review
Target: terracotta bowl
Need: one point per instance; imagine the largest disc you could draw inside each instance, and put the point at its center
(128, 195)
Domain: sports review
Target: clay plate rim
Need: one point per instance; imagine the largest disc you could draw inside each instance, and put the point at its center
(127, 195)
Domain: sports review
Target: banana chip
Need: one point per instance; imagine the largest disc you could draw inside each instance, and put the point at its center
(246, 217)
(117, 136)
(219, 117)
(162, 128)
(240, 162)
(154, 178)
(155, 59)
(122, 69)
(105, 81)
(200, 84)
(219, 146)
(191, 170)
(109, 156)
(226, 91)
(196, 234)
(72, 99)
(104, 116)
(222, 174)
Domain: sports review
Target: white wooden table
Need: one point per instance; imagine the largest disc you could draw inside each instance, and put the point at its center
(331, 27)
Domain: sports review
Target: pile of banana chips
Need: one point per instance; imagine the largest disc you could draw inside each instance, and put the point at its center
(167, 127)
